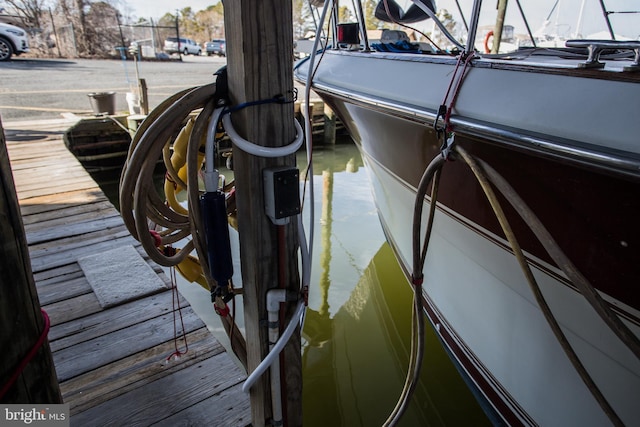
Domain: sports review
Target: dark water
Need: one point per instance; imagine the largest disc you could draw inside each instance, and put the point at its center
(356, 338)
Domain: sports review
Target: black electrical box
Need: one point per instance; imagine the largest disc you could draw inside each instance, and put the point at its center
(281, 193)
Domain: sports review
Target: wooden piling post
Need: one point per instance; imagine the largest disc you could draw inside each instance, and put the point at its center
(329, 133)
(144, 97)
(259, 52)
(21, 321)
(497, 30)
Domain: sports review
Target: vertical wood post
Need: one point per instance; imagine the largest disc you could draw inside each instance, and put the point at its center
(259, 63)
(144, 96)
(21, 321)
(329, 132)
(497, 31)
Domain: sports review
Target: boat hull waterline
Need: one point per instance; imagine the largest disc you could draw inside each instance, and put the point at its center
(580, 178)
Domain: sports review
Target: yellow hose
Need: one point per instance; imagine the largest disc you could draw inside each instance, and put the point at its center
(182, 172)
(191, 270)
(179, 164)
(170, 194)
(179, 156)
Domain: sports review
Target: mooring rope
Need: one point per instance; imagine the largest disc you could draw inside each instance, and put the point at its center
(30, 355)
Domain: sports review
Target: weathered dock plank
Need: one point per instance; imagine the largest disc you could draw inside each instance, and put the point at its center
(37, 221)
(55, 254)
(64, 289)
(29, 179)
(114, 319)
(88, 355)
(111, 363)
(54, 189)
(230, 412)
(56, 275)
(109, 381)
(74, 226)
(73, 308)
(51, 202)
(150, 403)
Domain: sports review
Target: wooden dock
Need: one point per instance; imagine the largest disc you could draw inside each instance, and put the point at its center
(111, 362)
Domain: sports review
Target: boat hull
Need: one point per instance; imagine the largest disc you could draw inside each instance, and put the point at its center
(475, 293)
(99, 143)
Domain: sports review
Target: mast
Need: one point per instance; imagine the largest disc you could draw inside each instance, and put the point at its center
(606, 18)
(578, 32)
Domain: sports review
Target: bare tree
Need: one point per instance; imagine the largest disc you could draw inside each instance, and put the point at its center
(84, 42)
(102, 28)
(303, 22)
(30, 11)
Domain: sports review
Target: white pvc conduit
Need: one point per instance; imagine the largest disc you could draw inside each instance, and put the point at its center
(259, 150)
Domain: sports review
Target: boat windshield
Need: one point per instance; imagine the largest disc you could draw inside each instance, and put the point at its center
(496, 26)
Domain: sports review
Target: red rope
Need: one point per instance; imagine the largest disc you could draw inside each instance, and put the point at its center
(453, 78)
(447, 118)
(175, 300)
(23, 364)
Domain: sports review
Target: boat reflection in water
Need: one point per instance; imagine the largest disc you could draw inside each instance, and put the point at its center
(356, 338)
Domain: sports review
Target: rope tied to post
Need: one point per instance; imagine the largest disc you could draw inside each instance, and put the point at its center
(30, 355)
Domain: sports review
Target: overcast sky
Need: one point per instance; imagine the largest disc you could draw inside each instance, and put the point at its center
(564, 18)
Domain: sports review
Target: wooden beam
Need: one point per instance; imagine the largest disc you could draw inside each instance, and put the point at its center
(497, 31)
(144, 96)
(20, 316)
(329, 123)
(260, 66)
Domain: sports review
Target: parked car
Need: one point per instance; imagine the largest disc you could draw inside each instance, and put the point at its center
(13, 41)
(184, 46)
(216, 47)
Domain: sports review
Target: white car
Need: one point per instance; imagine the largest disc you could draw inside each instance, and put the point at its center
(13, 41)
(184, 46)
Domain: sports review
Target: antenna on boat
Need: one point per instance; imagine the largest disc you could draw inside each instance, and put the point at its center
(578, 32)
(605, 13)
(363, 27)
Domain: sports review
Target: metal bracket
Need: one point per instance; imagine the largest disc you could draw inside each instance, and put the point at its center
(595, 48)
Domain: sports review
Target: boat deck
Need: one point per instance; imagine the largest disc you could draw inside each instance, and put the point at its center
(111, 361)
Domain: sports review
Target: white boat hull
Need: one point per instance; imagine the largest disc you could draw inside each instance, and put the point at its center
(491, 315)
(579, 176)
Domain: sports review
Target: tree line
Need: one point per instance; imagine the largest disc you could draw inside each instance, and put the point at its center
(86, 28)
(106, 28)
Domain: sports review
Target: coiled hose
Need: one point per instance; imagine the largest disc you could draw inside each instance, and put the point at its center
(143, 208)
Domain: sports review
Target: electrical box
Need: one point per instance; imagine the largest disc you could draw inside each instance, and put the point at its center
(281, 193)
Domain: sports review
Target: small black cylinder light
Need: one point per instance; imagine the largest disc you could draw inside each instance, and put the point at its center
(348, 33)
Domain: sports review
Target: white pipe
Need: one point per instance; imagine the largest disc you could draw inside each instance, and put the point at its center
(259, 150)
(275, 351)
(299, 314)
(211, 175)
(274, 298)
